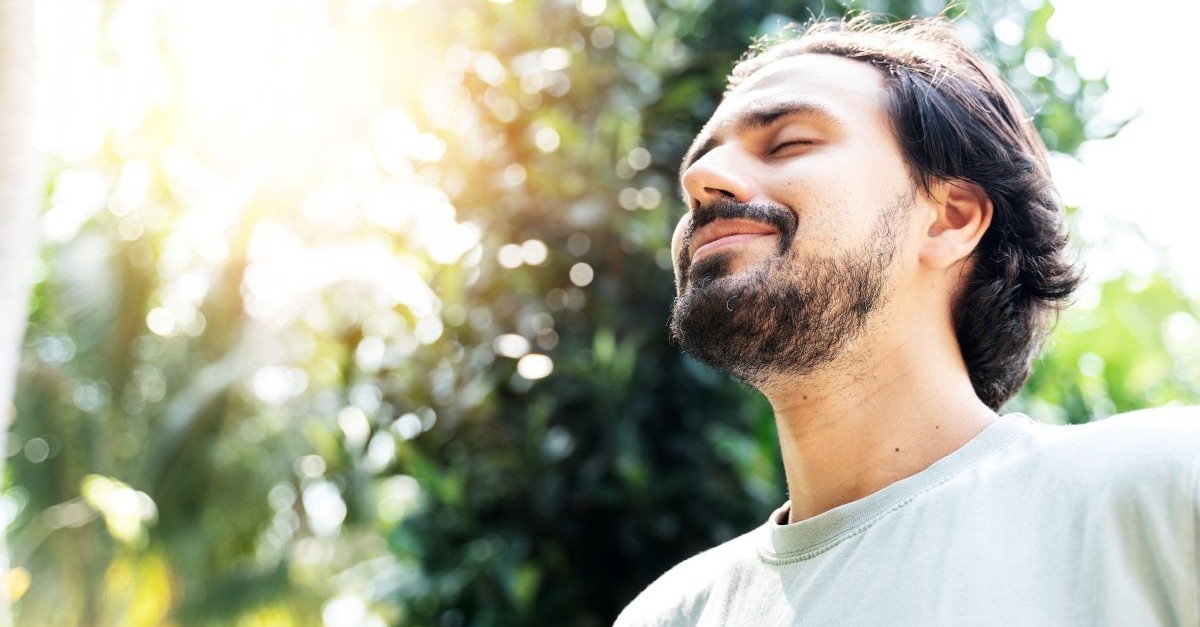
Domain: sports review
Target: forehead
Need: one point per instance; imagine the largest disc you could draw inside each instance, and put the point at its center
(818, 75)
(846, 93)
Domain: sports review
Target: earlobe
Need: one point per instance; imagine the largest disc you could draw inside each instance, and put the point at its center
(962, 214)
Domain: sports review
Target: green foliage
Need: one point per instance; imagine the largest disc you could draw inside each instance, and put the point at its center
(383, 441)
(1130, 345)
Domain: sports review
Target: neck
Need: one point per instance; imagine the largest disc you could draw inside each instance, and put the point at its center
(870, 421)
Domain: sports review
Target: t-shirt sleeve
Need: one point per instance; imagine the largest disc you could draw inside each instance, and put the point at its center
(1196, 535)
(682, 596)
(673, 600)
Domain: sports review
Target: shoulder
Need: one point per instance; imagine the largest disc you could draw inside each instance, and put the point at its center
(1145, 447)
(679, 595)
(1170, 431)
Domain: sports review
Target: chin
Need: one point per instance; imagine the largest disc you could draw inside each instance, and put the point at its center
(718, 266)
(766, 324)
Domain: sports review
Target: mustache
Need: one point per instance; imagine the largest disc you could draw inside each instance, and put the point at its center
(782, 219)
(779, 217)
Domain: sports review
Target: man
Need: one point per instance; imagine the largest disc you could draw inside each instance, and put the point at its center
(875, 244)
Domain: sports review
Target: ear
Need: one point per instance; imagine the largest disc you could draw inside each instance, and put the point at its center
(961, 215)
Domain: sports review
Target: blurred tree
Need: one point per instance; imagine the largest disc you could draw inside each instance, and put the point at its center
(424, 379)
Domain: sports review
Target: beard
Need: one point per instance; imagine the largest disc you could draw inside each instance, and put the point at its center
(791, 314)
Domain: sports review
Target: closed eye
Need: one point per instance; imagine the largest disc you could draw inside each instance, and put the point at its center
(791, 144)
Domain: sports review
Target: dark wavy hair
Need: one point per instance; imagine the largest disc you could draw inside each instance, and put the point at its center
(955, 120)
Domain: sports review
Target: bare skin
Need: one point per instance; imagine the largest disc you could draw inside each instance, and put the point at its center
(897, 398)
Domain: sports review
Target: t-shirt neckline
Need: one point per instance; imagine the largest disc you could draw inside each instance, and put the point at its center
(811, 537)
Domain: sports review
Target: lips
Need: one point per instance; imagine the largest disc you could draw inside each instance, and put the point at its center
(727, 232)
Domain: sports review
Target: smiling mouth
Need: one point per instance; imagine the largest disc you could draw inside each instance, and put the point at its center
(723, 233)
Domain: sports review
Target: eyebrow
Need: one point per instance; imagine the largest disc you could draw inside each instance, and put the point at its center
(760, 116)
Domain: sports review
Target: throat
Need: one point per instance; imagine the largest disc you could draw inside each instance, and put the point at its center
(836, 450)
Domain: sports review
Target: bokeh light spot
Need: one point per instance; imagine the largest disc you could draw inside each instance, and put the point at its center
(1008, 31)
(547, 139)
(428, 330)
(535, 366)
(381, 452)
(579, 244)
(489, 68)
(398, 496)
(1181, 328)
(510, 345)
(1091, 365)
(603, 37)
(281, 497)
(407, 426)
(310, 466)
(582, 274)
(534, 252)
(161, 321)
(509, 255)
(1038, 63)
(639, 158)
(555, 59)
(628, 198)
(649, 197)
(325, 508)
(37, 450)
(592, 8)
(514, 174)
(354, 425)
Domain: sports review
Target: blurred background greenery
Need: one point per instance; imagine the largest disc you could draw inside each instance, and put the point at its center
(353, 312)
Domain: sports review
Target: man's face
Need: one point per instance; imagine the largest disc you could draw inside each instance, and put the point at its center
(799, 200)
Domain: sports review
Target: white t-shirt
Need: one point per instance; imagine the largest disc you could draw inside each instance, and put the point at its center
(1026, 524)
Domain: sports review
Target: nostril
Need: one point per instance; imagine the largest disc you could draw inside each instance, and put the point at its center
(716, 191)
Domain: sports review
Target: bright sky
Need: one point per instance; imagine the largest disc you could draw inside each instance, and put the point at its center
(1144, 174)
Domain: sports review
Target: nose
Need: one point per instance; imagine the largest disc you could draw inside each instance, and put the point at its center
(719, 174)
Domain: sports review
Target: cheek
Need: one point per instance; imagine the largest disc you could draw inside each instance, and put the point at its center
(677, 238)
(677, 243)
(838, 205)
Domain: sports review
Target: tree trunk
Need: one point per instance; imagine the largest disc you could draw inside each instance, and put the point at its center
(18, 215)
